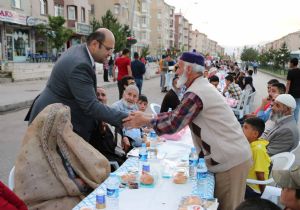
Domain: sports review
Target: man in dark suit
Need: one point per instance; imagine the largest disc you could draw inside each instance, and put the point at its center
(73, 82)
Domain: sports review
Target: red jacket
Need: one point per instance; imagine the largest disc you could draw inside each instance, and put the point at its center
(9, 200)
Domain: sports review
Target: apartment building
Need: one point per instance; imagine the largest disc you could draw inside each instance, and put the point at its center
(18, 18)
(292, 41)
(163, 26)
(179, 31)
(190, 30)
(135, 13)
(220, 50)
(212, 47)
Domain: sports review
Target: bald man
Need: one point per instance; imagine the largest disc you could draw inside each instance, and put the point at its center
(73, 82)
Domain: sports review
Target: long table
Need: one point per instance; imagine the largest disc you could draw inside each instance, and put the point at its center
(164, 194)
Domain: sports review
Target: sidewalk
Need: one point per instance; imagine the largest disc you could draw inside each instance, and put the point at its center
(19, 95)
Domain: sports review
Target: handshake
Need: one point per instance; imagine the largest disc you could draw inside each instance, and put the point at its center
(137, 119)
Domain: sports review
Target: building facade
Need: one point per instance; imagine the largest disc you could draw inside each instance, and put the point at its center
(163, 27)
(138, 20)
(18, 20)
(291, 40)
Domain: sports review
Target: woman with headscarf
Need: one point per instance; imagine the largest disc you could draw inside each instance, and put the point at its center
(56, 168)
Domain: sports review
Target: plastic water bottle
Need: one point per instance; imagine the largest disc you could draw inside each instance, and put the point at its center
(143, 153)
(153, 145)
(112, 192)
(146, 167)
(193, 160)
(202, 178)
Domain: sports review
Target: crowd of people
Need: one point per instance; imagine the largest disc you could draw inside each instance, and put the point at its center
(73, 133)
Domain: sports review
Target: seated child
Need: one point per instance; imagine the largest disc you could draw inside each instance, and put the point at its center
(142, 103)
(253, 128)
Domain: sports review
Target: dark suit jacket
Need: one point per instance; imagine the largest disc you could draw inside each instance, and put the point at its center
(170, 100)
(73, 83)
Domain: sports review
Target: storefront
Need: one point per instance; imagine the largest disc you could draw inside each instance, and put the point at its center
(15, 36)
(39, 43)
(81, 32)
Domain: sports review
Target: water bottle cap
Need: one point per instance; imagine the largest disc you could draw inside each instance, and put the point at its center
(144, 145)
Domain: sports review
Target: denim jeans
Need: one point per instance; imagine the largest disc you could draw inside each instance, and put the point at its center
(139, 84)
(296, 113)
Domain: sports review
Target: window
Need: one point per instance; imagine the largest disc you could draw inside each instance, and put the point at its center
(82, 15)
(92, 9)
(159, 14)
(16, 4)
(58, 10)
(72, 13)
(43, 7)
(116, 9)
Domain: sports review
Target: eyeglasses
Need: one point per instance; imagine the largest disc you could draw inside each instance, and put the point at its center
(110, 49)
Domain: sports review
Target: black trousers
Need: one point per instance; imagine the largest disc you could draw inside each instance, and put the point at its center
(105, 75)
(121, 89)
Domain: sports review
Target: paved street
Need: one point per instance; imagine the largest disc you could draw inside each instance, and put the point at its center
(12, 126)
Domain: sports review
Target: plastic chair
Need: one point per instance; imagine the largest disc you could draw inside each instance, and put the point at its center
(240, 109)
(155, 108)
(294, 150)
(114, 164)
(249, 102)
(280, 161)
(11, 182)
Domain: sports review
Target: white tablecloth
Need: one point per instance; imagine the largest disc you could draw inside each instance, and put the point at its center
(165, 194)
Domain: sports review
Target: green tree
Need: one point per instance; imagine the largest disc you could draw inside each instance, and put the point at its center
(95, 24)
(249, 54)
(121, 32)
(55, 32)
(284, 54)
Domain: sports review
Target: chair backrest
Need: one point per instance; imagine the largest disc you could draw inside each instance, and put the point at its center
(249, 102)
(294, 150)
(11, 182)
(155, 108)
(283, 161)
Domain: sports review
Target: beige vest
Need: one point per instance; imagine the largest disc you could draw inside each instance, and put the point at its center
(224, 143)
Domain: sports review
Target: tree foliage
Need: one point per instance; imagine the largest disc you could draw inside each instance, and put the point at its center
(121, 32)
(275, 57)
(145, 51)
(249, 54)
(55, 32)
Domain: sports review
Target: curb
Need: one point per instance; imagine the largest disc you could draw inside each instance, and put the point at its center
(15, 106)
(25, 104)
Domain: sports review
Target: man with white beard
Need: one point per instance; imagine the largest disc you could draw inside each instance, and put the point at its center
(216, 133)
(128, 104)
(284, 136)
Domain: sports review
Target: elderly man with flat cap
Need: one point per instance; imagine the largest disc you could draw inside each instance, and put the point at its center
(284, 136)
(73, 83)
(289, 181)
(216, 132)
